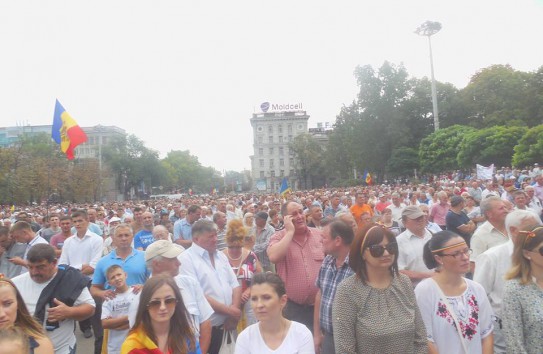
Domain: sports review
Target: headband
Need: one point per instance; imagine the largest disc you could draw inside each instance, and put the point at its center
(366, 235)
(449, 247)
(529, 234)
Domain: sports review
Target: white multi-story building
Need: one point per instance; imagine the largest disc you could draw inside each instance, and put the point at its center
(272, 160)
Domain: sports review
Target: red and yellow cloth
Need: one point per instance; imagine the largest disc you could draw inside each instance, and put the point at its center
(137, 342)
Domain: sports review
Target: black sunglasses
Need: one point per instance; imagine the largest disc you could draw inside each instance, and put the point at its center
(378, 250)
(155, 304)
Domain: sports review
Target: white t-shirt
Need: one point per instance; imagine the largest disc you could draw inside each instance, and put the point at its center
(63, 338)
(298, 340)
(115, 308)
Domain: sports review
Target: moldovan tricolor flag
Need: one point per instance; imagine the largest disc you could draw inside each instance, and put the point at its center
(66, 131)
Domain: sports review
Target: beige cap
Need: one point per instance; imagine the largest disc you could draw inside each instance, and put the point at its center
(163, 248)
(412, 212)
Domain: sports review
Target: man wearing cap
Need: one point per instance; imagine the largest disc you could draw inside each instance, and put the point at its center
(457, 221)
(161, 258)
(263, 232)
(212, 270)
(411, 243)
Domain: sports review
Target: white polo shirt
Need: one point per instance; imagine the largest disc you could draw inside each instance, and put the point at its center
(78, 251)
(410, 251)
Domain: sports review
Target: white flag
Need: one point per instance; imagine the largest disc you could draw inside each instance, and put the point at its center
(485, 173)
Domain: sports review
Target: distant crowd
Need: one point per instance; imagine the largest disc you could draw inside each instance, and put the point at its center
(453, 265)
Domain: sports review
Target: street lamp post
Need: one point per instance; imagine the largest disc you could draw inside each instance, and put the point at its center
(428, 29)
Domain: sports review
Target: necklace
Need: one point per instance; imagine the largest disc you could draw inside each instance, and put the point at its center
(234, 259)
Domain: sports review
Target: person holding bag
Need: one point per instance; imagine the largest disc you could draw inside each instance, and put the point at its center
(455, 310)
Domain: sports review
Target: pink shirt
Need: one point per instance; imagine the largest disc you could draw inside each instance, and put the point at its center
(438, 213)
(300, 267)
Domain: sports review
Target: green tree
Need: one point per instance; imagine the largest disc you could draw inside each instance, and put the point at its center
(404, 160)
(530, 147)
(308, 154)
(491, 145)
(438, 151)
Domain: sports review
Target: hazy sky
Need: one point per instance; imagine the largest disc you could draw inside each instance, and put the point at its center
(189, 74)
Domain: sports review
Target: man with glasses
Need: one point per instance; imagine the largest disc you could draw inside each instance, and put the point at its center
(411, 243)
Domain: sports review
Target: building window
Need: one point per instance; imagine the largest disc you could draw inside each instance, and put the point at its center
(280, 138)
(281, 162)
(271, 151)
(291, 172)
(260, 139)
(270, 129)
(104, 140)
(289, 152)
(291, 161)
(289, 128)
(280, 129)
(281, 150)
(260, 151)
(270, 139)
(290, 138)
(272, 173)
(282, 173)
(261, 161)
(261, 174)
(271, 163)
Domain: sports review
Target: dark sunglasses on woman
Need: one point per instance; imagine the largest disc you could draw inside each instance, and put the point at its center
(378, 250)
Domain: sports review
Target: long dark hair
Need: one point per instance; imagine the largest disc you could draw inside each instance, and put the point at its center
(180, 328)
(370, 235)
(24, 320)
(438, 240)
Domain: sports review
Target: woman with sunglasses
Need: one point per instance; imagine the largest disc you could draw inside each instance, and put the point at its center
(523, 295)
(161, 325)
(456, 311)
(374, 310)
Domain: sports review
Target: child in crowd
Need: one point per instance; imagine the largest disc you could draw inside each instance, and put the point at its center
(115, 311)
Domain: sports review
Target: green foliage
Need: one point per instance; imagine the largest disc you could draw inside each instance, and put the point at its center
(530, 147)
(438, 150)
(185, 172)
(308, 154)
(404, 161)
(489, 146)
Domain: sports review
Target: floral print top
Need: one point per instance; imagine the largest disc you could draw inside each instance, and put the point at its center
(472, 311)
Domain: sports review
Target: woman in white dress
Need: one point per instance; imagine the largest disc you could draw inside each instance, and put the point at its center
(455, 310)
(273, 333)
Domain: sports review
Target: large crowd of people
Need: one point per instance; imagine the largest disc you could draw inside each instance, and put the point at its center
(450, 266)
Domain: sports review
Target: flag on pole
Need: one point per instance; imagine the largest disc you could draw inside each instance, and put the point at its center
(284, 187)
(367, 177)
(66, 131)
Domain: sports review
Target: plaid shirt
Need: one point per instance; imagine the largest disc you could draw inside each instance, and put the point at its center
(328, 281)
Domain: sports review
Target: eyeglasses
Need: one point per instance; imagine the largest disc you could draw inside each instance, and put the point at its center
(465, 252)
(378, 250)
(155, 304)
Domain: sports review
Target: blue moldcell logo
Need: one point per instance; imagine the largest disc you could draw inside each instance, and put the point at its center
(265, 106)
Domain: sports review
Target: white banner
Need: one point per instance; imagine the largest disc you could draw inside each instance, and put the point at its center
(485, 173)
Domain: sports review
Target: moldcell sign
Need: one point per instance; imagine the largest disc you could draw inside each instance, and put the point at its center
(275, 107)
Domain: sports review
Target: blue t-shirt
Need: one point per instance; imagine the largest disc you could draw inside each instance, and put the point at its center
(143, 239)
(133, 265)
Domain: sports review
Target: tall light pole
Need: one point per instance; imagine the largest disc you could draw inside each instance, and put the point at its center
(428, 29)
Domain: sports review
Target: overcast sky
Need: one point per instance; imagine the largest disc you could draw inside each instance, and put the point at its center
(187, 75)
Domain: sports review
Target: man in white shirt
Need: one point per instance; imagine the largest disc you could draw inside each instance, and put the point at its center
(161, 258)
(493, 231)
(397, 208)
(495, 262)
(411, 243)
(212, 270)
(58, 308)
(22, 232)
(82, 251)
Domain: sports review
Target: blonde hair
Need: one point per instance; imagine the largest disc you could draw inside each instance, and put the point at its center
(235, 233)
(521, 268)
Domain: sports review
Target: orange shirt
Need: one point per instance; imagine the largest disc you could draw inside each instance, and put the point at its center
(358, 210)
